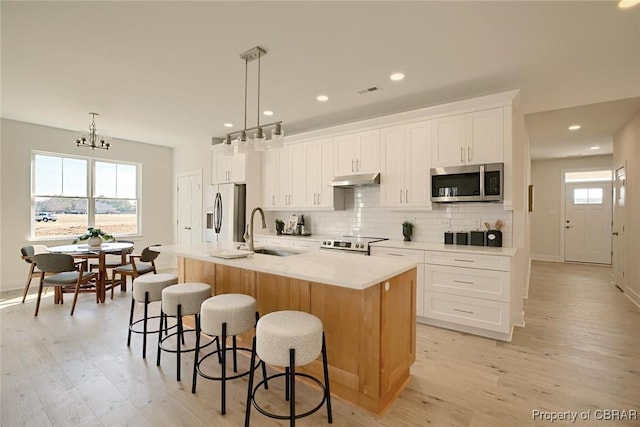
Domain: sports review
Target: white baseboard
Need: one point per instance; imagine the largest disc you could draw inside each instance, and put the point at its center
(551, 258)
(632, 295)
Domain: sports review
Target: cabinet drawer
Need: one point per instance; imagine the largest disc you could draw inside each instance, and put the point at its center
(306, 244)
(471, 282)
(389, 252)
(487, 262)
(478, 313)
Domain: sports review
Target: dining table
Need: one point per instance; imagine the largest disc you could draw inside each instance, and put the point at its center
(84, 251)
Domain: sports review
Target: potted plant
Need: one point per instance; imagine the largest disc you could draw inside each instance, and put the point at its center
(279, 226)
(95, 236)
(407, 230)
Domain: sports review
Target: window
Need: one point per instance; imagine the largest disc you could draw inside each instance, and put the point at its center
(588, 176)
(587, 196)
(70, 194)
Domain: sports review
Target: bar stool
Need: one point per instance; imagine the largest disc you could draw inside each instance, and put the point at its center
(289, 339)
(147, 289)
(222, 316)
(180, 300)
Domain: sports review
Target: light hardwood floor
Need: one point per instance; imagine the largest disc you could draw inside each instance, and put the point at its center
(579, 351)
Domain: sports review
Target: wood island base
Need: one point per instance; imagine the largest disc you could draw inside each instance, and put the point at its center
(370, 333)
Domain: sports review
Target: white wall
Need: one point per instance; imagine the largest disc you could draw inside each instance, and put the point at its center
(626, 151)
(546, 177)
(19, 139)
(363, 216)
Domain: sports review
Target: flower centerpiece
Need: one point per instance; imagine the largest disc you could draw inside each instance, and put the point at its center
(279, 226)
(95, 236)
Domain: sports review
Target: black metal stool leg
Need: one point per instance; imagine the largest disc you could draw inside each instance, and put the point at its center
(178, 341)
(133, 304)
(235, 355)
(326, 379)
(250, 387)
(287, 374)
(224, 368)
(144, 325)
(162, 316)
(292, 378)
(196, 355)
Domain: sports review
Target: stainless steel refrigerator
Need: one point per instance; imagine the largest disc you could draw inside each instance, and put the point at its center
(226, 214)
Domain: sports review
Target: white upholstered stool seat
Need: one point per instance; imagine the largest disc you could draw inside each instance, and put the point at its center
(147, 289)
(222, 316)
(238, 311)
(280, 331)
(189, 296)
(184, 299)
(153, 284)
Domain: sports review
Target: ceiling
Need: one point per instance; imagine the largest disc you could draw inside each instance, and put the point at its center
(169, 73)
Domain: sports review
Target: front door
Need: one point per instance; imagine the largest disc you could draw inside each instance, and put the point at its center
(588, 222)
(618, 228)
(189, 208)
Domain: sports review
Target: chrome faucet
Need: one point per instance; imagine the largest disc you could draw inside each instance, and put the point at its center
(264, 225)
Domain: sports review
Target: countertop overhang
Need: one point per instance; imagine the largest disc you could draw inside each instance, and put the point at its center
(331, 268)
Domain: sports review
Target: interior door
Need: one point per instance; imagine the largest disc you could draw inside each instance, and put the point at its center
(618, 228)
(189, 208)
(588, 222)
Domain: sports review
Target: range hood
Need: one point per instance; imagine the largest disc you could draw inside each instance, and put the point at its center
(356, 180)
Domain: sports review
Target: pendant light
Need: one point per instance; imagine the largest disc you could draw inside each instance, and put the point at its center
(243, 143)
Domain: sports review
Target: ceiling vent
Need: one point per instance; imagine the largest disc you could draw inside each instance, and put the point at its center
(369, 89)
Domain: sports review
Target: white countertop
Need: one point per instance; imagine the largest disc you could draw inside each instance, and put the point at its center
(425, 246)
(332, 268)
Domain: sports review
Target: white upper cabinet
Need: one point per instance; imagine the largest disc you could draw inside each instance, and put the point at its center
(298, 197)
(485, 135)
(357, 153)
(270, 179)
(405, 164)
(319, 155)
(465, 139)
(284, 176)
(227, 168)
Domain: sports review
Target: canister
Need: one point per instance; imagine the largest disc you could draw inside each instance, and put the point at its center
(478, 238)
(494, 238)
(462, 238)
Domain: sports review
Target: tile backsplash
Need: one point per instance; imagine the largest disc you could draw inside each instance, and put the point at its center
(362, 215)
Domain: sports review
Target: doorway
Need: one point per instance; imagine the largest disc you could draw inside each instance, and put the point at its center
(587, 225)
(618, 227)
(189, 207)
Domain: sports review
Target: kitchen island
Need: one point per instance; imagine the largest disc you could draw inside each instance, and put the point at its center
(367, 306)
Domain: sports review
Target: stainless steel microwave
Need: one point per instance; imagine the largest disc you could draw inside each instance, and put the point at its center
(471, 183)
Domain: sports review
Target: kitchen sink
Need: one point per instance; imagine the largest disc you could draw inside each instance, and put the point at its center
(275, 252)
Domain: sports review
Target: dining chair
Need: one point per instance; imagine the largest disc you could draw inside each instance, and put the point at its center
(64, 272)
(145, 264)
(27, 253)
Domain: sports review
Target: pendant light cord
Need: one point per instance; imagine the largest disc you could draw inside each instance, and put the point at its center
(259, 91)
(246, 67)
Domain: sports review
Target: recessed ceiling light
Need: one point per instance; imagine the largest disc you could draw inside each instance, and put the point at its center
(595, 147)
(228, 125)
(396, 77)
(623, 4)
(322, 98)
(574, 127)
(267, 113)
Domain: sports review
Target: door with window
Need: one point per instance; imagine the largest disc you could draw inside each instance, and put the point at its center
(588, 222)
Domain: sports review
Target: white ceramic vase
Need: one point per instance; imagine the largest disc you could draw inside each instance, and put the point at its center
(95, 241)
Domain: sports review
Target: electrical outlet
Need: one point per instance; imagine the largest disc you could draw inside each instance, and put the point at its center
(477, 223)
(445, 222)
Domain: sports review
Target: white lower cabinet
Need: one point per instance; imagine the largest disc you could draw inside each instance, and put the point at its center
(464, 291)
(469, 290)
(474, 312)
(418, 255)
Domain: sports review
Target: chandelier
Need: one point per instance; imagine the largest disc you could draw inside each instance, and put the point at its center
(93, 141)
(259, 141)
